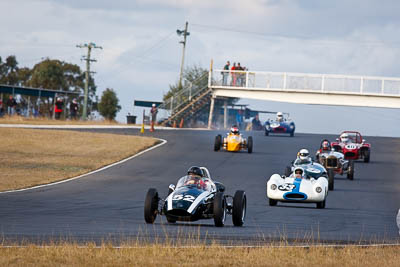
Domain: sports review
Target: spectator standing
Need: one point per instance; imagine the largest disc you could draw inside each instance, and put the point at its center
(1, 108)
(239, 119)
(233, 69)
(256, 124)
(73, 109)
(239, 76)
(11, 105)
(59, 107)
(225, 73)
(153, 112)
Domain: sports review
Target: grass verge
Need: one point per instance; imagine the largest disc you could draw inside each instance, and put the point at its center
(46, 121)
(32, 157)
(214, 255)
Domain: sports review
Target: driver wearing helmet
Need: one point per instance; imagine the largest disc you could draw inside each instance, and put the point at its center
(325, 146)
(195, 177)
(279, 116)
(303, 156)
(298, 173)
(344, 138)
(234, 130)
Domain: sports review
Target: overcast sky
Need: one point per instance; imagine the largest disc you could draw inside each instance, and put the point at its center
(141, 52)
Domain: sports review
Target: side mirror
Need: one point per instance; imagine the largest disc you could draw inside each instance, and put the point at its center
(363, 141)
(337, 139)
(220, 187)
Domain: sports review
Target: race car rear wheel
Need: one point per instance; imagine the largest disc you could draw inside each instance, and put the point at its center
(321, 205)
(219, 209)
(250, 144)
(292, 134)
(331, 179)
(367, 155)
(151, 205)
(217, 143)
(273, 202)
(239, 208)
(350, 171)
(266, 133)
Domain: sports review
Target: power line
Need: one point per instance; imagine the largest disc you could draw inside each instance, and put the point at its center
(298, 37)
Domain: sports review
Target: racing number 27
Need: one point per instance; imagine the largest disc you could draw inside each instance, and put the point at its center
(182, 197)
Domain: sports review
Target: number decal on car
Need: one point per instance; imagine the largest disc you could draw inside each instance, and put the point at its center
(351, 146)
(286, 187)
(182, 197)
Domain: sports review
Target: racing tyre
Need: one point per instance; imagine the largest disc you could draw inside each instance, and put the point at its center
(266, 133)
(331, 179)
(288, 171)
(321, 205)
(291, 134)
(217, 143)
(273, 202)
(151, 205)
(366, 156)
(350, 171)
(250, 144)
(219, 209)
(239, 208)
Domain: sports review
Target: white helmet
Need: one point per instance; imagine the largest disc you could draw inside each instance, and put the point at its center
(303, 154)
(344, 137)
(279, 116)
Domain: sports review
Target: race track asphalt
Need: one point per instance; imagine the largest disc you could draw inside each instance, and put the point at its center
(108, 205)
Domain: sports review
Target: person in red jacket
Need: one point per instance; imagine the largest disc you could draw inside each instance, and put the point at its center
(59, 107)
(233, 82)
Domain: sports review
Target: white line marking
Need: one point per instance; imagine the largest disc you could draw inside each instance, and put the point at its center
(222, 246)
(32, 126)
(89, 173)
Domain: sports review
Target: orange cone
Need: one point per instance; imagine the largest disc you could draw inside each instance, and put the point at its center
(181, 123)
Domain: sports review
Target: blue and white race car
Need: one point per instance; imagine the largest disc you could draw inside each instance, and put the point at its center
(311, 168)
(298, 187)
(281, 125)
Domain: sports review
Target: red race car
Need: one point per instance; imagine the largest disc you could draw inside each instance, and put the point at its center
(353, 146)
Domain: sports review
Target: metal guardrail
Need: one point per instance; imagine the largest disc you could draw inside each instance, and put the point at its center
(322, 83)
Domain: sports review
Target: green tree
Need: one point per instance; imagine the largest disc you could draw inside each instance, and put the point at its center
(8, 71)
(108, 105)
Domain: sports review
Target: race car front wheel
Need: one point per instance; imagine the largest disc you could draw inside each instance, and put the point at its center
(239, 208)
(151, 205)
(366, 155)
(321, 205)
(217, 143)
(219, 209)
(331, 179)
(250, 144)
(350, 171)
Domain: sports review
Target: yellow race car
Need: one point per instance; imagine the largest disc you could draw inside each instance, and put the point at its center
(233, 141)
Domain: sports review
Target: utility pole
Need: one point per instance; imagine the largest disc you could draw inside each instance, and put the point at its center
(184, 33)
(88, 60)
